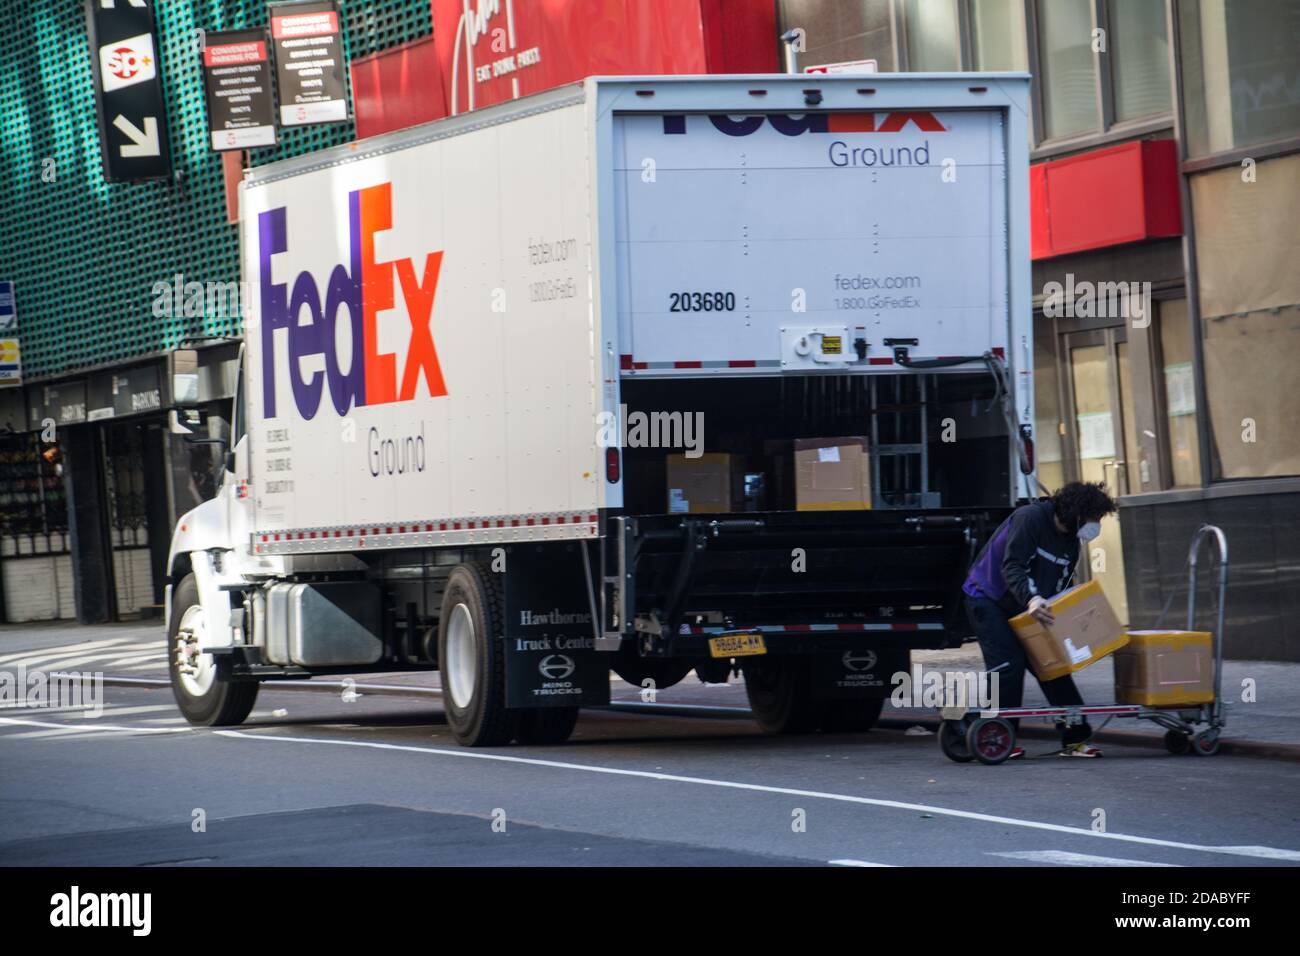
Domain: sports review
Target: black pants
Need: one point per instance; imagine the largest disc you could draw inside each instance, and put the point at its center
(1001, 647)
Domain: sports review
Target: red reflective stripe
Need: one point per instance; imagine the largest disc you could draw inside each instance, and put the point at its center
(880, 361)
(904, 626)
(853, 627)
(686, 365)
(741, 363)
(798, 627)
(625, 361)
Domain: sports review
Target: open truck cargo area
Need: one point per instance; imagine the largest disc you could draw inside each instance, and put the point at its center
(649, 375)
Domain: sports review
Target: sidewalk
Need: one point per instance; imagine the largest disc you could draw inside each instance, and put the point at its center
(1269, 727)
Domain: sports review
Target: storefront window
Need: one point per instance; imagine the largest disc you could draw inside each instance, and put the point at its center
(1247, 248)
(998, 35)
(1130, 468)
(1241, 72)
(933, 40)
(1047, 407)
(1139, 57)
(1180, 394)
(1067, 67)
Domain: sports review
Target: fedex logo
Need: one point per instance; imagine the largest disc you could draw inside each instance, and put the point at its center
(813, 123)
(364, 287)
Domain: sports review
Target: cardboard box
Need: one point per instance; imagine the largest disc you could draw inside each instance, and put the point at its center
(1165, 669)
(709, 483)
(832, 474)
(1085, 631)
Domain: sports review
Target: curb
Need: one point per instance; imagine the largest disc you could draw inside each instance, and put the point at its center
(1132, 738)
(1129, 738)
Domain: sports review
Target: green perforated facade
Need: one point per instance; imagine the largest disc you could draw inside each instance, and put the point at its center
(85, 254)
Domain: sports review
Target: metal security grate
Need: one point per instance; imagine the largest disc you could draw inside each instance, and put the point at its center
(86, 255)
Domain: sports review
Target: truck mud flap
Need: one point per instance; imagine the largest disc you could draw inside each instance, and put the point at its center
(858, 673)
(551, 660)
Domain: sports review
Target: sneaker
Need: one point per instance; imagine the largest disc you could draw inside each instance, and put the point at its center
(1079, 750)
(1016, 753)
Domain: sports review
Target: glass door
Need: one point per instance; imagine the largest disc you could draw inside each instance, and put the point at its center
(1100, 410)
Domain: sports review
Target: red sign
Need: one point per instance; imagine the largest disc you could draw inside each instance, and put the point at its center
(304, 25)
(233, 54)
(492, 51)
(1104, 197)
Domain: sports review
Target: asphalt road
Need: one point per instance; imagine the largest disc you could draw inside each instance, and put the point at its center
(313, 779)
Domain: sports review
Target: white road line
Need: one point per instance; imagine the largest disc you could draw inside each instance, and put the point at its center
(31, 655)
(92, 728)
(856, 863)
(1062, 858)
(1269, 852)
(35, 734)
(123, 711)
(151, 666)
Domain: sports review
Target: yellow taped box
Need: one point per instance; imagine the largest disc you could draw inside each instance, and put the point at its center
(1165, 669)
(832, 474)
(1086, 630)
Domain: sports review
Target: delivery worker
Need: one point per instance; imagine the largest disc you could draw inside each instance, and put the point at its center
(1030, 558)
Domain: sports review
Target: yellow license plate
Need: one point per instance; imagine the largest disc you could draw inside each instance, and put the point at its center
(737, 645)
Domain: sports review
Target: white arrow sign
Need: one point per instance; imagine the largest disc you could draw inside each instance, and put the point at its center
(143, 143)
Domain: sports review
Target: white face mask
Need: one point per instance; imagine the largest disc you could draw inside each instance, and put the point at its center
(1089, 531)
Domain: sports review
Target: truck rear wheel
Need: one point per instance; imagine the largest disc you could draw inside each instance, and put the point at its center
(852, 716)
(204, 699)
(471, 658)
(780, 695)
(546, 725)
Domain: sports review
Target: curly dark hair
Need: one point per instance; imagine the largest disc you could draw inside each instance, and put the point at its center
(1081, 501)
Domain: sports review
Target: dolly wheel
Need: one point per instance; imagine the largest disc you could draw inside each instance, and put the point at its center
(952, 741)
(1206, 743)
(1177, 742)
(991, 740)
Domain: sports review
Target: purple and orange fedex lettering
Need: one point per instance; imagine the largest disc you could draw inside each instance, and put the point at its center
(365, 288)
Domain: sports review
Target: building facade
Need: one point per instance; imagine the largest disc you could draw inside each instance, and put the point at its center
(1165, 200)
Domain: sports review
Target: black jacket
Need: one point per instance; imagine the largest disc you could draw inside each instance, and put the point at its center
(1025, 556)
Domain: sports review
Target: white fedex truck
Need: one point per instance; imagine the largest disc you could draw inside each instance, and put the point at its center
(476, 350)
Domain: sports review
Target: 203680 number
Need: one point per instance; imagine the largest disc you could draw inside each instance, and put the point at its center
(701, 302)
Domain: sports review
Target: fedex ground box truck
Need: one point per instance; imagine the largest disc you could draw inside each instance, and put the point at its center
(647, 376)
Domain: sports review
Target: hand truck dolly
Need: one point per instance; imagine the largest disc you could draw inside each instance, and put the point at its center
(989, 736)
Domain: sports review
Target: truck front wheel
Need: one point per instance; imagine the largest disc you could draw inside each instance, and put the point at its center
(204, 699)
(471, 658)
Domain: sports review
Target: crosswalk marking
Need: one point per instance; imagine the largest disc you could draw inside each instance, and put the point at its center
(132, 656)
(1064, 858)
(155, 658)
(31, 656)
